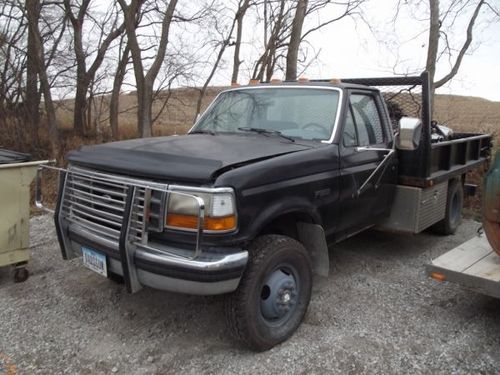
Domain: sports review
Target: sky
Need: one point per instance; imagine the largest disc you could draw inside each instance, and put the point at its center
(364, 55)
(350, 48)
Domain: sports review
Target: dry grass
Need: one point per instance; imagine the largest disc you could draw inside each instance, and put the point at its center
(469, 115)
(463, 114)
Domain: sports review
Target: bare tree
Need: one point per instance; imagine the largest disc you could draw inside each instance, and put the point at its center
(435, 33)
(13, 110)
(295, 38)
(284, 22)
(85, 76)
(243, 6)
(223, 40)
(442, 30)
(114, 103)
(276, 16)
(33, 12)
(145, 81)
(33, 94)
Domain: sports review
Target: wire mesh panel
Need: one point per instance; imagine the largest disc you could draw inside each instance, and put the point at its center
(403, 95)
(407, 96)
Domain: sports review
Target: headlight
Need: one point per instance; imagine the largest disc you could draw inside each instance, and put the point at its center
(220, 211)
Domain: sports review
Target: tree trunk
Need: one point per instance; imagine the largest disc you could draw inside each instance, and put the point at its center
(146, 103)
(32, 100)
(145, 83)
(240, 14)
(80, 110)
(432, 48)
(32, 8)
(432, 51)
(295, 38)
(115, 93)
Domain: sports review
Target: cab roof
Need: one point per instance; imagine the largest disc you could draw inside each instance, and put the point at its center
(310, 83)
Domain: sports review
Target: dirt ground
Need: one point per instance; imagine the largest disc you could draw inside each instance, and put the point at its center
(376, 313)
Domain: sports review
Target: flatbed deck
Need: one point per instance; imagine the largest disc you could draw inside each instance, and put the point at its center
(473, 265)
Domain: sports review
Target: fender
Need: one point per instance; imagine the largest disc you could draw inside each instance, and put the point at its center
(286, 205)
(311, 234)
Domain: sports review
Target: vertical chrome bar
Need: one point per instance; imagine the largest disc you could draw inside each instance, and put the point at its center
(126, 248)
(145, 214)
(201, 224)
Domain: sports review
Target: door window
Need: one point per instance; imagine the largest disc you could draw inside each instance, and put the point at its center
(367, 120)
(350, 136)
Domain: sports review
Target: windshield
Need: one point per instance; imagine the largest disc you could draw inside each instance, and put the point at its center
(304, 113)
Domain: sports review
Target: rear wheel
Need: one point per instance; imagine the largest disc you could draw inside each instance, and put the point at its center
(273, 295)
(454, 206)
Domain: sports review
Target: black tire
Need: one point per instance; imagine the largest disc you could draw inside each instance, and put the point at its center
(454, 206)
(21, 275)
(283, 263)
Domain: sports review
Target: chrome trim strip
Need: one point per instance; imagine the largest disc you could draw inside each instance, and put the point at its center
(100, 189)
(107, 215)
(84, 232)
(215, 262)
(104, 202)
(68, 250)
(105, 231)
(101, 219)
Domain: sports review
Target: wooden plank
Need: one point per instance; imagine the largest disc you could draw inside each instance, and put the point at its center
(486, 268)
(469, 282)
(473, 265)
(465, 255)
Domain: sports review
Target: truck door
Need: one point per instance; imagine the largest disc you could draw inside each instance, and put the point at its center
(367, 163)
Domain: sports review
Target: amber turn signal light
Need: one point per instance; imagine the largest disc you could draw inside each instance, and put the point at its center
(438, 276)
(210, 223)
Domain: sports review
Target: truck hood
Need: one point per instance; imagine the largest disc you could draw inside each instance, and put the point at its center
(196, 158)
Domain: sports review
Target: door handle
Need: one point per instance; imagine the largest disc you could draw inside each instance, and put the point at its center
(368, 148)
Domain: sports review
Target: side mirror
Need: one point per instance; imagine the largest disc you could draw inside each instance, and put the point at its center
(410, 132)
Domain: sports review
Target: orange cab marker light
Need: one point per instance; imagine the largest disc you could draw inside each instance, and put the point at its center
(438, 276)
(254, 82)
(210, 223)
(276, 80)
(303, 80)
(235, 84)
(335, 81)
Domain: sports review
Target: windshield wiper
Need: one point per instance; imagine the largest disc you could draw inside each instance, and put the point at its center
(265, 131)
(203, 132)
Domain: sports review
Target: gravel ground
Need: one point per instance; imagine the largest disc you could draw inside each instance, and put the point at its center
(376, 313)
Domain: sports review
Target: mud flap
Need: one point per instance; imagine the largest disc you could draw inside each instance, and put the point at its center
(312, 236)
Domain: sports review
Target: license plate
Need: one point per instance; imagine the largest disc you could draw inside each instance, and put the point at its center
(95, 261)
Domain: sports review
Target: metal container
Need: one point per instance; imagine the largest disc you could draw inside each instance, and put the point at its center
(16, 175)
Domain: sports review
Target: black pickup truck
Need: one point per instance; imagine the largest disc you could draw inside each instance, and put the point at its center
(247, 203)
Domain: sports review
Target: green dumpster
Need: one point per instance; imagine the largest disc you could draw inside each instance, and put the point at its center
(16, 174)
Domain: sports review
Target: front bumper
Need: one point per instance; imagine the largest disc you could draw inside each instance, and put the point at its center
(143, 263)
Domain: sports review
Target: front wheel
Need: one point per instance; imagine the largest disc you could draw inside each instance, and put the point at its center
(273, 294)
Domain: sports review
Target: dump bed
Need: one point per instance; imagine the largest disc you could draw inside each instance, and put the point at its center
(433, 161)
(473, 265)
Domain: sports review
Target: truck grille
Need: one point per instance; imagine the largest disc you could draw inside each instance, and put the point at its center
(98, 205)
